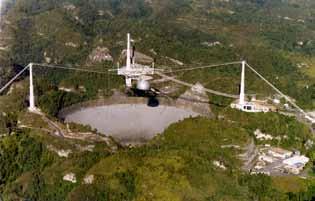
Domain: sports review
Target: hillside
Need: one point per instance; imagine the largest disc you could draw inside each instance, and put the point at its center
(277, 38)
(176, 165)
(38, 163)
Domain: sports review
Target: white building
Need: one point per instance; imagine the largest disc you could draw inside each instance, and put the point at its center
(295, 164)
(219, 165)
(266, 159)
(70, 177)
(262, 136)
(296, 160)
(280, 153)
(276, 101)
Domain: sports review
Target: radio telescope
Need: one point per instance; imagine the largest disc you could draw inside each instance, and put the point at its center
(134, 71)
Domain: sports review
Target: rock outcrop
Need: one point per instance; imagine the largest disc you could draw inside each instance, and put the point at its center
(197, 99)
(88, 179)
(61, 153)
(100, 54)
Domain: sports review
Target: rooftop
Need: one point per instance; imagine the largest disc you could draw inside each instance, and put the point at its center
(296, 160)
(280, 150)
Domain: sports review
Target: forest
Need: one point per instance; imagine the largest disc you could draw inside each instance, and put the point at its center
(273, 36)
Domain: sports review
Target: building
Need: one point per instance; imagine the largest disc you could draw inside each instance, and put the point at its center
(70, 177)
(262, 136)
(279, 153)
(295, 164)
(266, 159)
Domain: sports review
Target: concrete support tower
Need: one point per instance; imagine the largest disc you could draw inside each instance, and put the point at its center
(32, 107)
(128, 61)
(242, 90)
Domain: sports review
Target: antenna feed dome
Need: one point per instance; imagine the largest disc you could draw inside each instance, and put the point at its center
(143, 85)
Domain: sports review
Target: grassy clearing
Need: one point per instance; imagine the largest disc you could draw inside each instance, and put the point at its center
(290, 184)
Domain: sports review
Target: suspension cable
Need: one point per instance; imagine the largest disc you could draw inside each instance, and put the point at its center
(202, 67)
(170, 78)
(70, 68)
(49, 66)
(191, 85)
(277, 90)
(13, 79)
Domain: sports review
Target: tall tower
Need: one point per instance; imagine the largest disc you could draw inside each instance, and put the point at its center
(128, 61)
(242, 91)
(32, 98)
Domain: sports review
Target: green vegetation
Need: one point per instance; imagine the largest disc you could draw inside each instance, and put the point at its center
(277, 125)
(178, 164)
(268, 40)
(19, 154)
